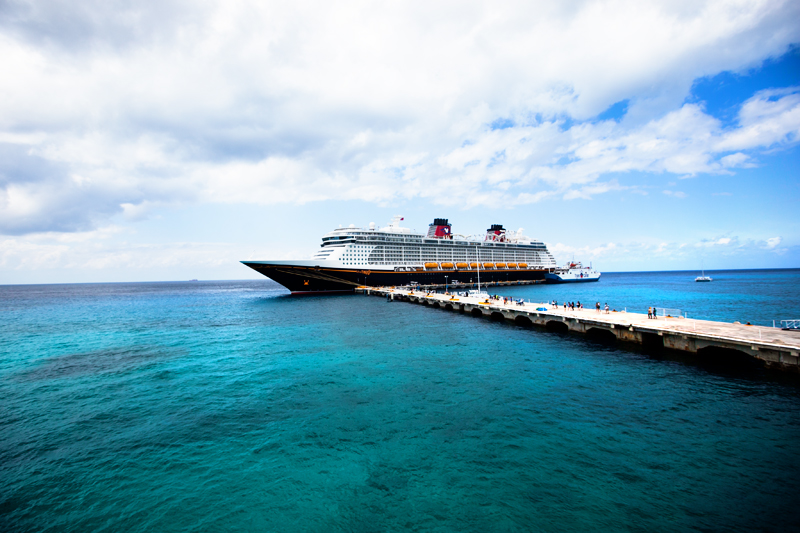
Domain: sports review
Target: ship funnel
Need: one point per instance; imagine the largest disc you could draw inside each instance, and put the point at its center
(440, 229)
(496, 233)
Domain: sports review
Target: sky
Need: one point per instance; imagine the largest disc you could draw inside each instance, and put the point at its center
(146, 141)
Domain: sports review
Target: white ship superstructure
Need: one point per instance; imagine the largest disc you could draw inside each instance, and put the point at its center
(572, 272)
(396, 248)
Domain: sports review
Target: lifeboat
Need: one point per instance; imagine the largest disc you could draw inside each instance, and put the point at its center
(523, 265)
(447, 266)
(512, 265)
(488, 265)
(501, 265)
(461, 265)
(473, 265)
(431, 265)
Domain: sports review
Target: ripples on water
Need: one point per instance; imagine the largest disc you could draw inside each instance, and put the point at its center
(231, 406)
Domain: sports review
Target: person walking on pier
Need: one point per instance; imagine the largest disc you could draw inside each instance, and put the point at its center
(655, 315)
(597, 306)
(649, 312)
(606, 307)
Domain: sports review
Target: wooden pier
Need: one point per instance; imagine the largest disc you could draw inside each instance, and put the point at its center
(774, 347)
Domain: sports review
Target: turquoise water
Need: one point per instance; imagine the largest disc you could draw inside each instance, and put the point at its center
(755, 296)
(230, 406)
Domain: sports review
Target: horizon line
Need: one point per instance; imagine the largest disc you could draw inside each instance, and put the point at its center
(269, 279)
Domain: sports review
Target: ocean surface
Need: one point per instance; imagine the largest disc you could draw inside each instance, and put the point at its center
(232, 406)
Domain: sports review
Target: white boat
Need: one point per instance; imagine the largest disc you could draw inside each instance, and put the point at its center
(477, 293)
(703, 277)
(572, 272)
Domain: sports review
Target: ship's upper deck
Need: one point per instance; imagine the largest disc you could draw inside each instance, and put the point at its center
(398, 247)
(380, 236)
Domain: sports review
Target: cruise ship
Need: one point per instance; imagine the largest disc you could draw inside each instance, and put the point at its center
(393, 255)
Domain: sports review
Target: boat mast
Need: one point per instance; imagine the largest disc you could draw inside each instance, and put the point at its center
(478, 262)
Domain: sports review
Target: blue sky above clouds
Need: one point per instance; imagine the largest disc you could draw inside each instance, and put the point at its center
(169, 140)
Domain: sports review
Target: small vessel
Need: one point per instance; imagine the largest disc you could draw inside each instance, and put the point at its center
(703, 276)
(572, 272)
(481, 295)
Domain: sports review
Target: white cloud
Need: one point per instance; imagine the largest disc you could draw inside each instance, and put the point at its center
(86, 252)
(110, 109)
(736, 160)
(770, 117)
(635, 255)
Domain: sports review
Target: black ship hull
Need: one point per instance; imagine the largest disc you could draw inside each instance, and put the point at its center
(307, 279)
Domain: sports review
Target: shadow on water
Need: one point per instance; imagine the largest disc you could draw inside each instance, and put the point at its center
(720, 362)
(724, 363)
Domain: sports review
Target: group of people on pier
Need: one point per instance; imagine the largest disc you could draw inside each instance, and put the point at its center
(568, 306)
(572, 306)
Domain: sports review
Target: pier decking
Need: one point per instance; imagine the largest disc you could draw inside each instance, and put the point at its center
(773, 346)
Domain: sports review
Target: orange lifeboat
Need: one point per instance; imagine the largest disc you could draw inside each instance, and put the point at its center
(523, 265)
(431, 265)
(473, 265)
(461, 265)
(501, 265)
(448, 266)
(512, 265)
(488, 265)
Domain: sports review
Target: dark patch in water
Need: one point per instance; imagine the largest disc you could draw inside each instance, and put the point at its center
(387, 481)
(112, 360)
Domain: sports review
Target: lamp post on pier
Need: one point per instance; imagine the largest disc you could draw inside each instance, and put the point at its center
(445, 284)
